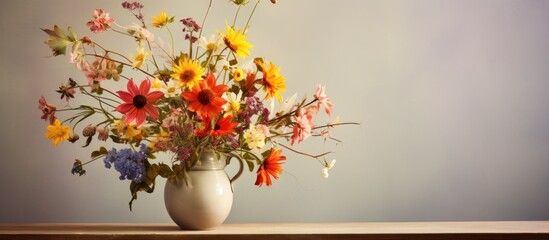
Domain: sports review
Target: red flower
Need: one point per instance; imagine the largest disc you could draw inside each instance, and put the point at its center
(270, 167)
(138, 103)
(205, 99)
(202, 132)
(222, 127)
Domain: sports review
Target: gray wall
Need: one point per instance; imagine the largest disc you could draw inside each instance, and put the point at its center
(452, 96)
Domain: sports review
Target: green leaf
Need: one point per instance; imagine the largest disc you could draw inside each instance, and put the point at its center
(102, 151)
(147, 185)
(58, 41)
(233, 62)
(165, 171)
(88, 141)
(266, 154)
(235, 89)
(119, 68)
(98, 90)
(250, 159)
(250, 165)
(71, 36)
(139, 187)
(72, 82)
(116, 139)
(150, 155)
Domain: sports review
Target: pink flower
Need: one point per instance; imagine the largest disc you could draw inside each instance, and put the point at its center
(172, 118)
(101, 21)
(320, 95)
(93, 74)
(138, 102)
(303, 126)
(48, 110)
(103, 133)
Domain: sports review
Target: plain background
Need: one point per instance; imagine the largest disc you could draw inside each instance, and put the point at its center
(452, 97)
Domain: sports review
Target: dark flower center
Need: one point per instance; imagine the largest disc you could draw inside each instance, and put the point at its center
(230, 45)
(139, 101)
(217, 127)
(266, 82)
(205, 96)
(187, 75)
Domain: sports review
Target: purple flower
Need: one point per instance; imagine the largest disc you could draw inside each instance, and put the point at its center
(233, 140)
(132, 6)
(254, 106)
(129, 163)
(135, 8)
(190, 24)
(193, 38)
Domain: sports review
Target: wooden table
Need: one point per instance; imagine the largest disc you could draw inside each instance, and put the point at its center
(363, 230)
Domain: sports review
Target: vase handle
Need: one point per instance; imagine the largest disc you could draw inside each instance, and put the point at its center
(240, 170)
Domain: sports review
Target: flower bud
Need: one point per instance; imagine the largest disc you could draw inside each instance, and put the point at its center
(103, 134)
(89, 131)
(241, 2)
(73, 137)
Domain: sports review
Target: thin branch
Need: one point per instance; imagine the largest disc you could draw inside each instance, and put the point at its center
(305, 154)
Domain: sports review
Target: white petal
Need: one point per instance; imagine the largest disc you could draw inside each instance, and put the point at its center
(332, 163)
(325, 172)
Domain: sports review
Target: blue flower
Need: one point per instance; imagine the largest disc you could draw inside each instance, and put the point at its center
(110, 158)
(129, 163)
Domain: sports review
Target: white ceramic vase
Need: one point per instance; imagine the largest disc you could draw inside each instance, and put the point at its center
(205, 202)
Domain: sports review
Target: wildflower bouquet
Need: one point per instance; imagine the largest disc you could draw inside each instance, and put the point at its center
(208, 96)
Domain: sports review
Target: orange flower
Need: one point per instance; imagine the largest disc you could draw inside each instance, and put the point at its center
(273, 82)
(270, 167)
(205, 99)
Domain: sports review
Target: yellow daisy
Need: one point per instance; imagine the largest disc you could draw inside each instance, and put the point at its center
(187, 72)
(139, 58)
(58, 132)
(236, 41)
(238, 74)
(273, 82)
(161, 20)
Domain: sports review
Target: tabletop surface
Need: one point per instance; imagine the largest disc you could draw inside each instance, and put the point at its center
(353, 230)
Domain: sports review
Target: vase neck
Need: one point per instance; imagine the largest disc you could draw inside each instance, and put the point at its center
(209, 161)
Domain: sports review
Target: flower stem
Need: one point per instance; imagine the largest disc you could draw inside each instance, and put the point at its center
(236, 16)
(250, 18)
(171, 37)
(305, 154)
(204, 21)
(290, 113)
